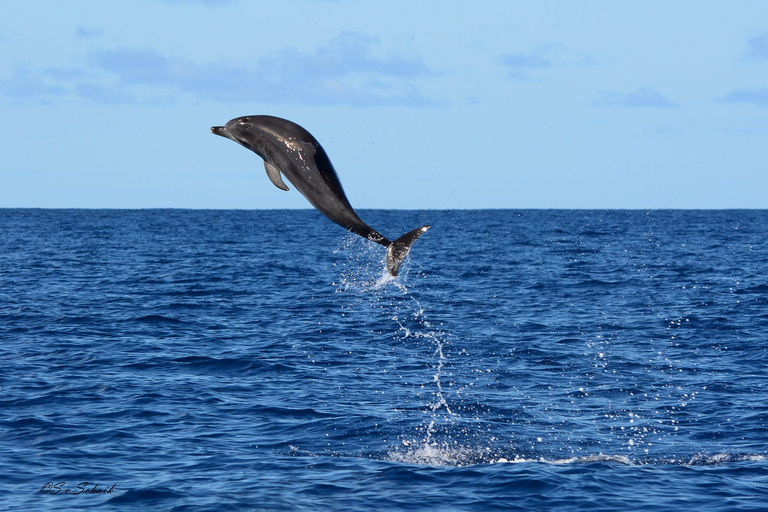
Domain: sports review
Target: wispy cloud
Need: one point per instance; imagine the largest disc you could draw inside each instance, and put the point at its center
(25, 84)
(102, 94)
(756, 97)
(521, 65)
(132, 66)
(212, 3)
(757, 47)
(88, 32)
(642, 97)
(351, 69)
(64, 74)
(526, 65)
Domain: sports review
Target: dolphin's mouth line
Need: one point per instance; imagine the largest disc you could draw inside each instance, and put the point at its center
(222, 132)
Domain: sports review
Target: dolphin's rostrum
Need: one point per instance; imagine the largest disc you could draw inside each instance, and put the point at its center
(290, 150)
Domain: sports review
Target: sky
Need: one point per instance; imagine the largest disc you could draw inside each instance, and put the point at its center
(440, 104)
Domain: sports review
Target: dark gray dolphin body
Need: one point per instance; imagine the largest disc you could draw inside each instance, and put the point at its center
(292, 151)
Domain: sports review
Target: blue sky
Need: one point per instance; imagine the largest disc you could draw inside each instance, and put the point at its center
(429, 104)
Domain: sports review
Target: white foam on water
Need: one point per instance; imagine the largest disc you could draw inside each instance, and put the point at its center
(434, 454)
(438, 454)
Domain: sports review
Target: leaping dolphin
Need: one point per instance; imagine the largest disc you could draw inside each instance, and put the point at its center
(289, 149)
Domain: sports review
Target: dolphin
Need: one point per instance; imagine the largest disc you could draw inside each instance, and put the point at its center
(291, 151)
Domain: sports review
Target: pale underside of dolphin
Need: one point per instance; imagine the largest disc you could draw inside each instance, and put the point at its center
(291, 151)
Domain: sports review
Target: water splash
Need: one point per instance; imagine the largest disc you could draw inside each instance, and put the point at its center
(362, 272)
(440, 454)
(360, 265)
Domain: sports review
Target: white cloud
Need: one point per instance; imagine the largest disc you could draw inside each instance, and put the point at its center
(88, 32)
(25, 84)
(642, 97)
(758, 47)
(756, 97)
(526, 66)
(212, 3)
(520, 65)
(350, 69)
(102, 94)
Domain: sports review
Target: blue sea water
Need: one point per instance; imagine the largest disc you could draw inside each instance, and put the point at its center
(261, 360)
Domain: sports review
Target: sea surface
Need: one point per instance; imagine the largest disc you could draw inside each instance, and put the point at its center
(187, 360)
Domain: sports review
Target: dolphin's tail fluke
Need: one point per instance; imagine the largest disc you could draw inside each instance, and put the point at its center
(398, 250)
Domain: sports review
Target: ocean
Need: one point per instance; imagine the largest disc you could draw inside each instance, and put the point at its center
(199, 360)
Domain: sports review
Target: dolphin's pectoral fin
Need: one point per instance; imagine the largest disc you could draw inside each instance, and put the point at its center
(274, 176)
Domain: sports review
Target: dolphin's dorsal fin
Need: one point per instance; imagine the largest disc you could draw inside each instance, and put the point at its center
(309, 147)
(274, 176)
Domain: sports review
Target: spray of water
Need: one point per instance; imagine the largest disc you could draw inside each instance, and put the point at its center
(435, 440)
